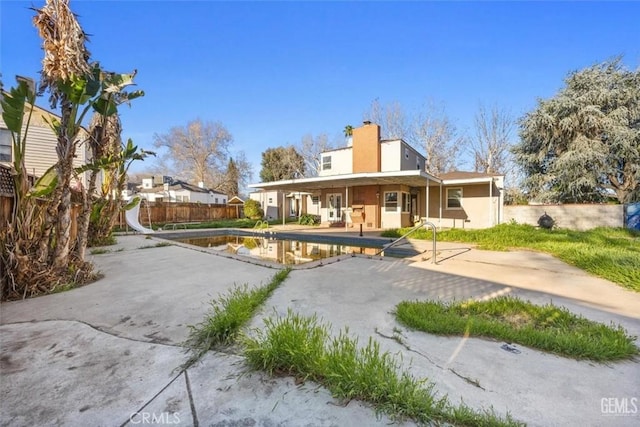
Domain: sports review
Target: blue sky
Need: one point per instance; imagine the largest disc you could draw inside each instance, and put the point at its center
(272, 72)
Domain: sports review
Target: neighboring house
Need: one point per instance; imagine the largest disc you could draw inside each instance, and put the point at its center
(295, 203)
(41, 145)
(179, 191)
(387, 181)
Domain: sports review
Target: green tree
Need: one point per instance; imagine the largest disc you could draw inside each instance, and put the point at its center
(281, 163)
(232, 177)
(583, 145)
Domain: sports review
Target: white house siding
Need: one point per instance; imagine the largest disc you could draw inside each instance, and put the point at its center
(341, 162)
(41, 146)
(390, 156)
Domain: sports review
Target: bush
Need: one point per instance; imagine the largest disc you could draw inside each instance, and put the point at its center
(308, 219)
(253, 210)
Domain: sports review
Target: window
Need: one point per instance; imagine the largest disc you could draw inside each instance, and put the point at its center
(406, 153)
(270, 200)
(406, 202)
(390, 201)
(454, 198)
(418, 165)
(5, 145)
(315, 200)
(326, 163)
(216, 201)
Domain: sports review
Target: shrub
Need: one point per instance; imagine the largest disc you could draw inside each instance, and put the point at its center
(252, 209)
(308, 219)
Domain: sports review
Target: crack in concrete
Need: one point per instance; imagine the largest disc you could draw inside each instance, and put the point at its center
(399, 341)
(99, 329)
(194, 415)
(469, 380)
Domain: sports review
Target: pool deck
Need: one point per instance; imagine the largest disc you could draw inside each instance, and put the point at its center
(107, 354)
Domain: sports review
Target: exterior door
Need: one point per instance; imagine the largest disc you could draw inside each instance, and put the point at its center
(334, 207)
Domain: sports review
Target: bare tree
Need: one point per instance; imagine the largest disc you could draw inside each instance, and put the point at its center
(490, 149)
(391, 118)
(197, 151)
(429, 131)
(437, 137)
(310, 148)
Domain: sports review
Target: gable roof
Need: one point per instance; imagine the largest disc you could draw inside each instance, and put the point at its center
(180, 185)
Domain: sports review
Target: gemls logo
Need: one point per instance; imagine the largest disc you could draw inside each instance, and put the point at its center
(624, 406)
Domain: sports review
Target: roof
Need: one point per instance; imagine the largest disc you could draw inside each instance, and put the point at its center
(414, 178)
(462, 177)
(235, 200)
(180, 185)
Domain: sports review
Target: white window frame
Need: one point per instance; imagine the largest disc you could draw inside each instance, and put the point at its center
(453, 208)
(406, 153)
(6, 141)
(390, 204)
(326, 163)
(406, 202)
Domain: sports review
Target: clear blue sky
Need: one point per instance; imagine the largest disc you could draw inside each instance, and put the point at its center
(272, 72)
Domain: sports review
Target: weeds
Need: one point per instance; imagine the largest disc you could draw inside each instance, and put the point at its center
(229, 313)
(100, 251)
(157, 245)
(302, 347)
(610, 253)
(548, 328)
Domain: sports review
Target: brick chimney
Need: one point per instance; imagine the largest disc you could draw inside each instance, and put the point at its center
(366, 148)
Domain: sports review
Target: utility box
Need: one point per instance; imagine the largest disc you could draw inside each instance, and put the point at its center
(357, 214)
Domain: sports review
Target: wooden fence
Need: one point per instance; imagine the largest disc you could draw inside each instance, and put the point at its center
(163, 213)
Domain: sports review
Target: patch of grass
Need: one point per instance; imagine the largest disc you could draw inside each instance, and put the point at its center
(548, 327)
(100, 251)
(302, 347)
(228, 314)
(157, 245)
(610, 253)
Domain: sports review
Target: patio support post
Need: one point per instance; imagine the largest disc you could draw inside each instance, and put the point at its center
(283, 206)
(346, 206)
(440, 208)
(491, 203)
(427, 202)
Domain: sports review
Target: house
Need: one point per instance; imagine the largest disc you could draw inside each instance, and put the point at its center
(384, 184)
(173, 191)
(292, 203)
(41, 142)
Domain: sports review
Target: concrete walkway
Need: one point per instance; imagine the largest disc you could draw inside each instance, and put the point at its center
(107, 354)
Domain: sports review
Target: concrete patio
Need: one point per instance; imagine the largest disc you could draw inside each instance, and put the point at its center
(107, 354)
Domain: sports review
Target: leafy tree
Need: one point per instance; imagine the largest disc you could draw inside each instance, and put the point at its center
(281, 163)
(232, 177)
(37, 252)
(583, 145)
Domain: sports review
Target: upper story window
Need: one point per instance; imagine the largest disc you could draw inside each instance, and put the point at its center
(454, 198)
(406, 153)
(418, 165)
(5, 146)
(326, 163)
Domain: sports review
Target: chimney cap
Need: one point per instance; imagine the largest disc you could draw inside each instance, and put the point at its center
(366, 122)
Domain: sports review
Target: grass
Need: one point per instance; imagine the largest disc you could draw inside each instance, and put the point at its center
(610, 253)
(157, 245)
(548, 328)
(100, 251)
(228, 314)
(302, 347)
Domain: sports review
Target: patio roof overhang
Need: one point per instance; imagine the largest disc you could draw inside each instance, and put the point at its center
(412, 178)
